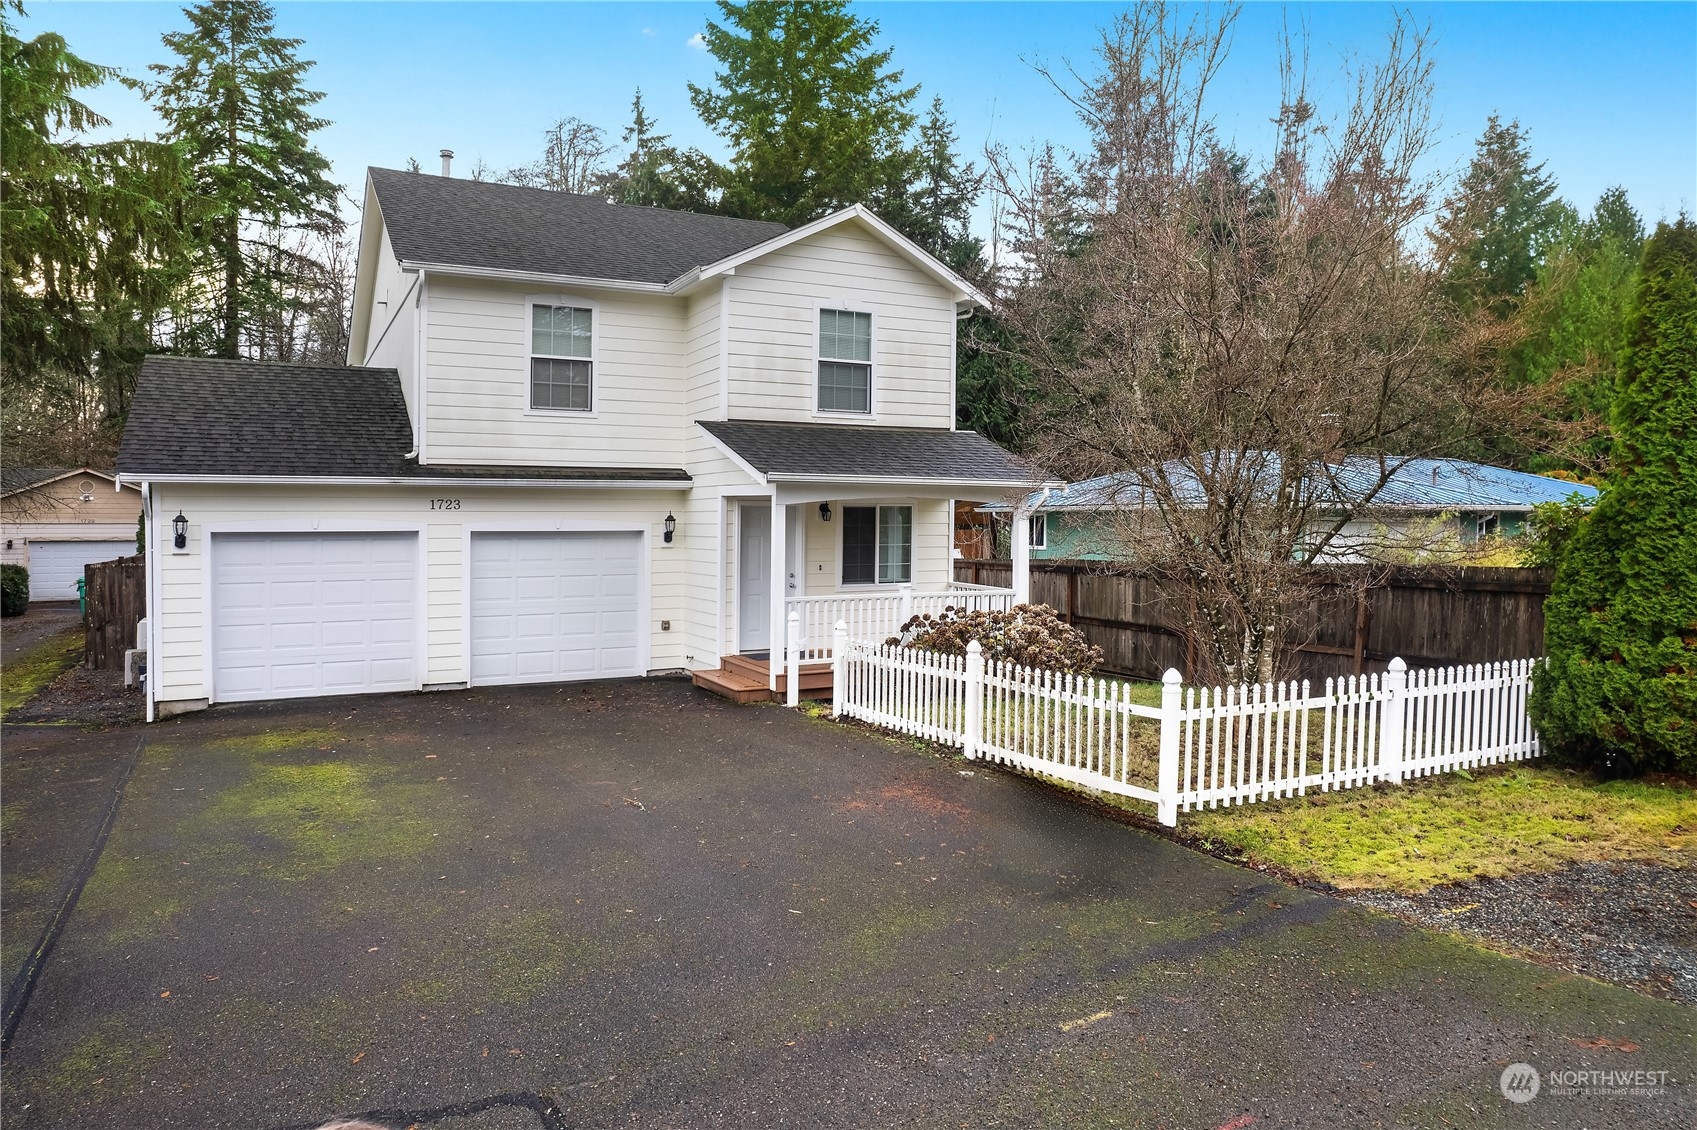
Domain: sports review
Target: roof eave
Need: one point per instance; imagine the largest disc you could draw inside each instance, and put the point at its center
(961, 290)
(402, 480)
(501, 274)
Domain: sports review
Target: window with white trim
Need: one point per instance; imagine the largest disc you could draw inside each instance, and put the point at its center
(1039, 531)
(845, 361)
(560, 358)
(877, 545)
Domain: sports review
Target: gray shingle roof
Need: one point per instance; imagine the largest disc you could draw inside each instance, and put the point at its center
(19, 478)
(194, 416)
(466, 223)
(857, 451)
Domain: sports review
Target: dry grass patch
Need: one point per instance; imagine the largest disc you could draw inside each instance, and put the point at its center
(1445, 829)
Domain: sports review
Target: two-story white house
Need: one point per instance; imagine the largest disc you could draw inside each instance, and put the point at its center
(574, 440)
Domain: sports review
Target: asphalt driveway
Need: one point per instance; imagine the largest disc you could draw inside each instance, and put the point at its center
(631, 904)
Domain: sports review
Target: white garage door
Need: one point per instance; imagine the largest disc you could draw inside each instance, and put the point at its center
(55, 567)
(552, 606)
(313, 614)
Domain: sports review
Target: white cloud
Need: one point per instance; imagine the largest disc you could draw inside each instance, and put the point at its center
(698, 41)
(649, 32)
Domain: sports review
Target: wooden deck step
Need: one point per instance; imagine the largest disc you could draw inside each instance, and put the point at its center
(732, 685)
(814, 676)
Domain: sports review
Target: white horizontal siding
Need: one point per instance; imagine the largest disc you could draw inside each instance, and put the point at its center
(180, 667)
(478, 342)
(774, 329)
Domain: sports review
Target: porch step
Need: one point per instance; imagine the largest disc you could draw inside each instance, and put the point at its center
(732, 685)
(814, 676)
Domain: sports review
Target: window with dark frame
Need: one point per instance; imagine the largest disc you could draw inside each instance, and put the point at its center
(877, 545)
(561, 340)
(1039, 531)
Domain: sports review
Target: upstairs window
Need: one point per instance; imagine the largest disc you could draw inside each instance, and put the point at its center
(845, 361)
(877, 545)
(560, 364)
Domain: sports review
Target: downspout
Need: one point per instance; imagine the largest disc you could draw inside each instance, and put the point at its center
(151, 562)
(421, 340)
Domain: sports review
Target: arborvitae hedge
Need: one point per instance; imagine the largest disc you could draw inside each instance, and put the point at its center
(1620, 692)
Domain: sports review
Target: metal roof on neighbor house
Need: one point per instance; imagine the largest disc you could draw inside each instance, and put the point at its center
(261, 419)
(1414, 484)
(504, 227)
(856, 451)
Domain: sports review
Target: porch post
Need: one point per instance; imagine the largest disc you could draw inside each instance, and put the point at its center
(1020, 537)
(775, 658)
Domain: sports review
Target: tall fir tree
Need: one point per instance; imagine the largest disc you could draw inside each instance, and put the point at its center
(93, 250)
(813, 114)
(1493, 230)
(234, 101)
(654, 173)
(1620, 689)
(931, 201)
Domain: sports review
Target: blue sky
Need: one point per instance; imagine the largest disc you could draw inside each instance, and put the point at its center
(1607, 92)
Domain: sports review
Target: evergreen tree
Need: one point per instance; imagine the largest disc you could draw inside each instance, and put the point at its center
(233, 100)
(814, 116)
(654, 173)
(1493, 230)
(1620, 690)
(1573, 318)
(93, 249)
(931, 201)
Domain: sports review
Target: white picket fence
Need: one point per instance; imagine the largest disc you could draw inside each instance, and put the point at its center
(1203, 746)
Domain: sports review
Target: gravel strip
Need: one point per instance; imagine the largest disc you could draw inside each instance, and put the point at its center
(84, 697)
(1632, 924)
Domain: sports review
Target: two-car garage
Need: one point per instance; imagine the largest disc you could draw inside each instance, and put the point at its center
(295, 614)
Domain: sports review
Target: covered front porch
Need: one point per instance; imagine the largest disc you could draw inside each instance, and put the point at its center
(871, 556)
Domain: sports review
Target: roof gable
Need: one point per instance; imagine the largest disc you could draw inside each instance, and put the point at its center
(15, 479)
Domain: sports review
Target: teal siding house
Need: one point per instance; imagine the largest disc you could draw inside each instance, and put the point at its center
(1424, 499)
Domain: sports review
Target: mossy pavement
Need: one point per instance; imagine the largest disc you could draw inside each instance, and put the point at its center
(653, 908)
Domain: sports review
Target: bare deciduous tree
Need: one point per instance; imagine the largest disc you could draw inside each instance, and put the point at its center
(574, 159)
(1255, 351)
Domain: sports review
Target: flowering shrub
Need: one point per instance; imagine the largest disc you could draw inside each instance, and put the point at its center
(1027, 634)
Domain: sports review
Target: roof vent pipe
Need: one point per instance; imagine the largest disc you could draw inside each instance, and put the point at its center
(447, 162)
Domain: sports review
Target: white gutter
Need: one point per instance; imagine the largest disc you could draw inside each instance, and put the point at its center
(901, 480)
(535, 277)
(422, 481)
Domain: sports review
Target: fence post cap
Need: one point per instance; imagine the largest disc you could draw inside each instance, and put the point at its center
(841, 626)
(795, 616)
(1398, 665)
(975, 648)
(1172, 678)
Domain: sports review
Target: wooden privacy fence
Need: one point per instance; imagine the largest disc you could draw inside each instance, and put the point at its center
(1355, 621)
(115, 598)
(1202, 746)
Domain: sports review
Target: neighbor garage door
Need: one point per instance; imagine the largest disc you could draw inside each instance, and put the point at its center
(55, 567)
(313, 614)
(554, 606)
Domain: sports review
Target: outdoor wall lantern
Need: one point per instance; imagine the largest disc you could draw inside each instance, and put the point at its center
(180, 531)
(671, 526)
(824, 511)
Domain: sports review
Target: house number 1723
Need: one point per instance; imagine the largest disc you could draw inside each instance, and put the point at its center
(444, 504)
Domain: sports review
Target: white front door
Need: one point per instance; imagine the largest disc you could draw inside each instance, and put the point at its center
(547, 607)
(754, 578)
(295, 615)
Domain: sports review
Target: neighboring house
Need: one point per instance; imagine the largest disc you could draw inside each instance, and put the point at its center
(577, 440)
(54, 521)
(1426, 507)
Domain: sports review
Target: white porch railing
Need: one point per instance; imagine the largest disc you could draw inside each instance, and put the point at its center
(878, 616)
(1202, 746)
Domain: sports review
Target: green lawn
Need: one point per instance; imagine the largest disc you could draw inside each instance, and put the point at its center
(1436, 830)
(24, 677)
